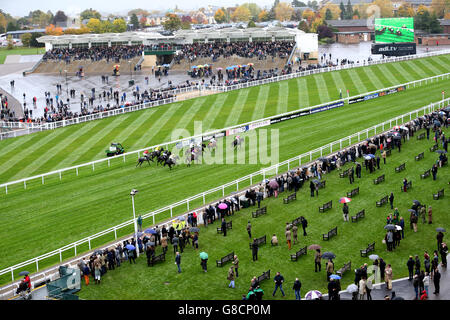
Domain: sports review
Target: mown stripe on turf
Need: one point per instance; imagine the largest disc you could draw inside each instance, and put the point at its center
(13, 145)
(219, 121)
(76, 148)
(396, 78)
(46, 157)
(293, 95)
(283, 93)
(145, 139)
(418, 68)
(428, 71)
(413, 71)
(402, 71)
(261, 102)
(385, 80)
(373, 78)
(188, 115)
(249, 107)
(360, 85)
(322, 87)
(303, 96)
(442, 63)
(11, 166)
(349, 83)
(432, 67)
(213, 111)
(341, 86)
(333, 91)
(236, 110)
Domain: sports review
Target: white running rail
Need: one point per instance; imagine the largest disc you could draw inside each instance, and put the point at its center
(252, 178)
(166, 144)
(223, 88)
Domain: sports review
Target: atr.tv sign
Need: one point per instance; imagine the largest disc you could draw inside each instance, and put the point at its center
(394, 49)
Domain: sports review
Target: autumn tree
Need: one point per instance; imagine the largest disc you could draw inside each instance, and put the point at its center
(242, 13)
(219, 16)
(405, 10)
(89, 14)
(51, 30)
(283, 11)
(172, 23)
(333, 10)
(254, 10)
(26, 39)
(303, 26)
(119, 25)
(386, 8)
(440, 7)
(308, 15)
(94, 25)
(263, 16)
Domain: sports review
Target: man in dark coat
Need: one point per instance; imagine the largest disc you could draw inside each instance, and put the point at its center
(224, 227)
(410, 264)
(436, 280)
(304, 224)
(254, 250)
(351, 175)
(382, 268)
(358, 170)
(391, 200)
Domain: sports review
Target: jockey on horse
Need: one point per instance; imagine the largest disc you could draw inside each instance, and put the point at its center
(237, 141)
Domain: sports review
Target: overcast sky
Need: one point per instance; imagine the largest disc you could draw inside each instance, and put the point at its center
(72, 7)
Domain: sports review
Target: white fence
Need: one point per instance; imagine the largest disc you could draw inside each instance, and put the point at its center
(250, 179)
(111, 113)
(165, 144)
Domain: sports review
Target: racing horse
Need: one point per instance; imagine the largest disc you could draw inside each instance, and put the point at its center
(212, 145)
(237, 142)
(163, 157)
(142, 159)
(192, 154)
(171, 161)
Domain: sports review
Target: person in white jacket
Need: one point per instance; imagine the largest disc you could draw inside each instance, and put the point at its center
(426, 282)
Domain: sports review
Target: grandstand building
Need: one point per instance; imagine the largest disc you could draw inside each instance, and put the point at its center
(305, 42)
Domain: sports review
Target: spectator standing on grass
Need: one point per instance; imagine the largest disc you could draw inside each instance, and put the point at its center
(236, 265)
(440, 239)
(312, 188)
(297, 286)
(178, 261)
(434, 171)
(430, 215)
(274, 240)
(288, 238)
(391, 200)
(294, 233)
(345, 212)
(175, 244)
(204, 264)
(330, 268)
(278, 279)
(317, 260)
(254, 250)
(249, 229)
(304, 223)
(231, 277)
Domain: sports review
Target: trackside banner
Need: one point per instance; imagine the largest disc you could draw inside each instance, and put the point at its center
(376, 95)
(307, 112)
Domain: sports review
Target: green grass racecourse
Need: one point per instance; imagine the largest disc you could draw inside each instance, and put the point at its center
(58, 213)
(163, 282)
(48, 151)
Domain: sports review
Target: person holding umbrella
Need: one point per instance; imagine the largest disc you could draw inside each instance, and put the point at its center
(439, 238)
(204, 261)
(345, 211)
(330, 268)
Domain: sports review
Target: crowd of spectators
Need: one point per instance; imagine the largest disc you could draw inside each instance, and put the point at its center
(114, 53)
(251, 50)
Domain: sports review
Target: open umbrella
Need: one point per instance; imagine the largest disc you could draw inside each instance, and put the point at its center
(437, 123)
(203, 255)
(151, 231)
(352, 288)
(344, 200)
(398, 298)
(314, 247)
(223, 206)
(328, 255)
(194, 67)
(416, 202)
(273, 184)
(373, 257)
(219, 69)
(367, 157)
(150, 243)
(389, 227)
(250, 64)
(195, 229)
(24, 273)
(313, 295)
(397, 227)
(130, 247)
(441, 151)
(139, 234)
(316, 181)
(397, 138)
(335, 277)
(412, 210)
(181, 218)
(440, 229)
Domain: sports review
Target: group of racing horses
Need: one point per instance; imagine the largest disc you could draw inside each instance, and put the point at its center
(166, 158)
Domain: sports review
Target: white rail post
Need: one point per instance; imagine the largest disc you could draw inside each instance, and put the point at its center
(60, 176)
(171, 214)
(42, 179)
(24, 184)
(75, 247)
(77, 172)
(89, 240)
(37, 264)
(60, 256)
(109, 163)
(93, 167)
(115, 233)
